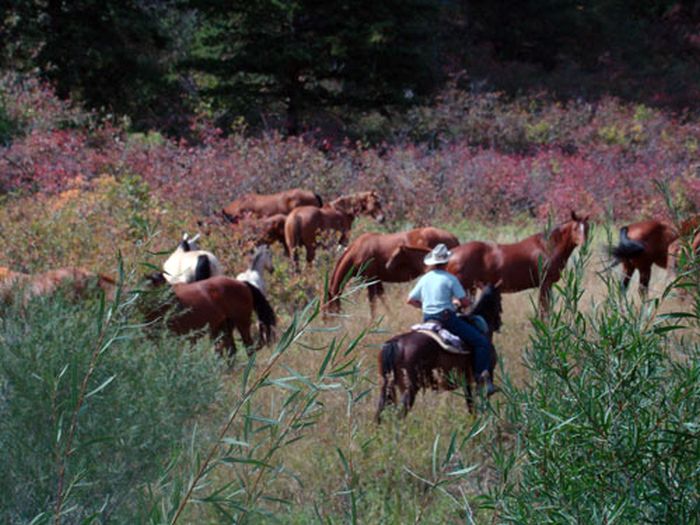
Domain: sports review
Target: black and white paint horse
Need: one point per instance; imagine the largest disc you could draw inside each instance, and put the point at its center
(188, 263)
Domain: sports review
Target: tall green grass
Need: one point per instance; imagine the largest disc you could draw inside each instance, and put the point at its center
(607, 428)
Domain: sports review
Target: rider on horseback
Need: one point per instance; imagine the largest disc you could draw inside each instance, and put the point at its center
(434, 294)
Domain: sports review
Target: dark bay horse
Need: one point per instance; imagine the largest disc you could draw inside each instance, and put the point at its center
(219, 304)
(647, 243)
(256, 205)
(369, 254)
(535, 261)
(415, 360)
(77, 281)
(304, 224)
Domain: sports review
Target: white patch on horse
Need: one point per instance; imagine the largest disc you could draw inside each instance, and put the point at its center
(181, 265)
(260, 261)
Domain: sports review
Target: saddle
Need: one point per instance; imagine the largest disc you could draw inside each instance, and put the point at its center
(446, 339)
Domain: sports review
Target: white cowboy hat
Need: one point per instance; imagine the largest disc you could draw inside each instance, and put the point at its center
(440, 255)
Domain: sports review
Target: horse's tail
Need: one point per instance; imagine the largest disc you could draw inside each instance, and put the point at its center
(203, 269)
(387, 356)
(265, 313)
(338, 280)
(627, 248)
(292, 234)
(318, 199)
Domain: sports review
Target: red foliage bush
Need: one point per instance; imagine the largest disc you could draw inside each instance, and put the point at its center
(487, 159)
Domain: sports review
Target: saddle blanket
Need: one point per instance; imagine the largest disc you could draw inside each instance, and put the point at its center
(448, 338)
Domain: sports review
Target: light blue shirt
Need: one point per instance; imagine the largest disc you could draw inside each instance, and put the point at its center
(435, 290)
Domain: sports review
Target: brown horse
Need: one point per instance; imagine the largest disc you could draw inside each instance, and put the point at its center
(219, 304)
(255, 205)
(380, 258)
(643, 244)
(415, 360)
(304, 224)
(78, 281)
(535, 261)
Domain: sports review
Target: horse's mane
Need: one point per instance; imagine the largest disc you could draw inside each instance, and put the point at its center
(489, 307)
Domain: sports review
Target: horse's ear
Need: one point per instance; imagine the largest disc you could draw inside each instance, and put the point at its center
(574, 217)
(185, 236)
(195, 238)
(498, 284)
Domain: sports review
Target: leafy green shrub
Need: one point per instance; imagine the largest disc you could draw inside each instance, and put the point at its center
(608, 427)
(91, 410)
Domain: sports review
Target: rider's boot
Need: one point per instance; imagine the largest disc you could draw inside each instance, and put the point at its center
(485, 384)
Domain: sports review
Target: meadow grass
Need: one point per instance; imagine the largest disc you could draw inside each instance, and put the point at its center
(302, 445)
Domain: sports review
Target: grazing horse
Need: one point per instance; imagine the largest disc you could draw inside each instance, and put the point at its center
(270, 230)
(643, 244)
(535, 261)
(380, 258)
(304, 224)
(78, 281)
(260, 261)
(188, 263)
(219, 304)
(255, 205)
(415, 360)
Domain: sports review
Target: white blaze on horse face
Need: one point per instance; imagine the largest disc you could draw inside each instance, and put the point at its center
(581, 233)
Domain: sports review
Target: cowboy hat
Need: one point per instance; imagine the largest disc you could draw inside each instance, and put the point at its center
(440, 255)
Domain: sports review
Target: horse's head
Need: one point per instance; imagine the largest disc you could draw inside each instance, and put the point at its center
(262, 259)
(407, 258)
(571, 233)
(188, 244)
(373, 206)
(579, 228)
(155, 279)
(489, 306)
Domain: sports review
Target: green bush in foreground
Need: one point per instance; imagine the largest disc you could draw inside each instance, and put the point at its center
(91, 410)
(608, 427)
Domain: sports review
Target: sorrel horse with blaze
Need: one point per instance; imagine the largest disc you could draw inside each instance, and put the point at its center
(384, 258)
(647, 243)
(256, 205)
(536, 261)
(306, 223)
(414, 360)
(219, 304)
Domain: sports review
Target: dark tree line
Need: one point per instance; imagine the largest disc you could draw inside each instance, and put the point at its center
(157, 60)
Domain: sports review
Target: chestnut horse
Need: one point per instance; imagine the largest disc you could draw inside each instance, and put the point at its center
(535, 261)
(256, 205)
(219, 304)
(415, 360)
(304, 224)
(78, 281)
(643, 244)
(380, 258)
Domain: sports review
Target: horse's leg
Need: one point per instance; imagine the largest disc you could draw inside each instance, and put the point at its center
(310, 253)
(382, 398)
(545, 298)
(243, 326)
(644, 278)
(628, 269)
(468, 397)
(408, 398)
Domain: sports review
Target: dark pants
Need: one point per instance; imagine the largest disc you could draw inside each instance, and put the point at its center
(480, 345)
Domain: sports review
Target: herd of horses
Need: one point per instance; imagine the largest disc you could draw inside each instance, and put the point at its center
(201, 297)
